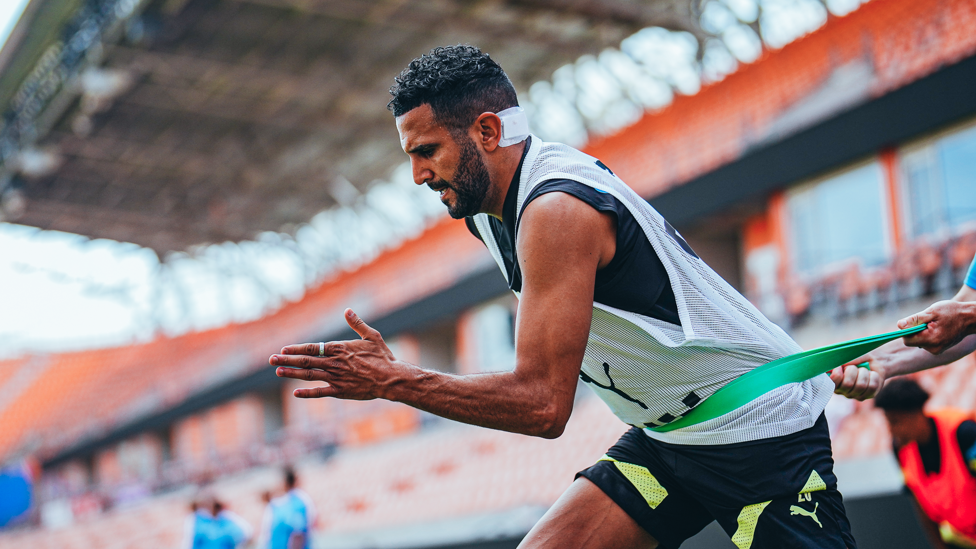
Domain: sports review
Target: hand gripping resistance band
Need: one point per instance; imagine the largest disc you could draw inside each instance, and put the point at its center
(789, 369)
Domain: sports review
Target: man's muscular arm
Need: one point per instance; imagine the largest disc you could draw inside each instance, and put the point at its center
(562, 243)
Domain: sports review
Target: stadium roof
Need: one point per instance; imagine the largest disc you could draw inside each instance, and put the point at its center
(170, 123)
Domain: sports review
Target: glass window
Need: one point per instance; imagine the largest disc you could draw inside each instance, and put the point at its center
(940, 184)
(838, 219)
(958, 155)
(925, 206)
(496, 337)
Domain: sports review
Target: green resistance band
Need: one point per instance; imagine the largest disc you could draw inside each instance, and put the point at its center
(789, 369)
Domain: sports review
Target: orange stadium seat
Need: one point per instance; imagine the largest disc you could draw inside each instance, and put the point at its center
(903, 40)
(451, 472)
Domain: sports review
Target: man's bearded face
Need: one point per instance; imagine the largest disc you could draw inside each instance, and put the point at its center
(469, 184)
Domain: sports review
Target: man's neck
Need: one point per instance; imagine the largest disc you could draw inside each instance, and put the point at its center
(501, 178)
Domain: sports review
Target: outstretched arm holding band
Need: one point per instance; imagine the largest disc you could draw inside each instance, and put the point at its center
(891, 360)
(950, 335)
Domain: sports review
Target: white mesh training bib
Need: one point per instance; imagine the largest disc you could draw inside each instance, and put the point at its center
(650, 372)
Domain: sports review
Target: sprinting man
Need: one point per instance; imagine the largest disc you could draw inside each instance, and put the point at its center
(608, 292)
(950, 335)
(937, 455)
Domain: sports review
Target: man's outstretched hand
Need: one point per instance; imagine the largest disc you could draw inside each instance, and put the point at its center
(361, 369)
(948, 323)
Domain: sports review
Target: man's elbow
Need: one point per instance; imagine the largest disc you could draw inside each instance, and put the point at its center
(553, 432)
(551, 422)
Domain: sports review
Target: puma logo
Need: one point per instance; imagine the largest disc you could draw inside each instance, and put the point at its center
(797, 510)
(611, 387)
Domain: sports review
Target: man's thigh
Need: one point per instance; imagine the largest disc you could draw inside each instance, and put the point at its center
(585, 517)
(634, 484)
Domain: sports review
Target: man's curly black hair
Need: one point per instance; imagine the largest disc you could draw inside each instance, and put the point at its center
(902, 394)
(458, 82)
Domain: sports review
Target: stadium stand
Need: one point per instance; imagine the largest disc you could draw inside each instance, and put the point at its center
(109, 387)
(440, 474)
(896, 41)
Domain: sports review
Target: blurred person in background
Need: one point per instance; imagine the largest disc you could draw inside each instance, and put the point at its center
(937, 455)
(610, 293)
(289, 518)
(949, 336)
(211, 525)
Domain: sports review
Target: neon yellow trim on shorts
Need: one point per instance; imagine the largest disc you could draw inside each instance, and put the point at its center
(642, 479)
(748, 518)
(814, 483)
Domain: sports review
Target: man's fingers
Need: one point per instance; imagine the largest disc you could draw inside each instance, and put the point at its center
(837, 376)
(861, 383)
(846, 379)
(311, 349)
(922, 317)
(303, 374)
(360, 327)
(850, 378)
(299, 361)
(316, 392)
(921, 339)
(873, 386)
(930, 340)
(854, 382)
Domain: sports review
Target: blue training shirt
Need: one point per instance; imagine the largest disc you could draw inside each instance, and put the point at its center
(289, 517)
(218, 532)
(971, 277)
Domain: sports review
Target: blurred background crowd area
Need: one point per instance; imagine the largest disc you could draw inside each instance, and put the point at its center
(231, 181)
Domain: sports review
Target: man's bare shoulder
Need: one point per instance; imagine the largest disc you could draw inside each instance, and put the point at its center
(556, 208)
(560, 226)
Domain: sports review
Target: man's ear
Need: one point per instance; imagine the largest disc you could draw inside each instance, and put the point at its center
(488, 128)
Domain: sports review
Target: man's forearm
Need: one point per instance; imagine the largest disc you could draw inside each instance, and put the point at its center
(968, 314)
(499, 400)
(907, 360)
(534, 399)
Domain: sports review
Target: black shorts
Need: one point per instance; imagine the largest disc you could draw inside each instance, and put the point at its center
(772, 493)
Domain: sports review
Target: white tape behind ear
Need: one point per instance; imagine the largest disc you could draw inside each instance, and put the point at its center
(515, 126)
